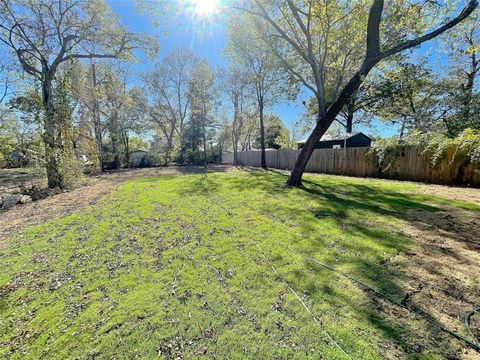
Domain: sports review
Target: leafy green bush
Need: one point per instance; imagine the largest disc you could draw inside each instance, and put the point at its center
(152, 160)
(196, 157)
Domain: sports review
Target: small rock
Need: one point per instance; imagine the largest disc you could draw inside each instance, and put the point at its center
(25, 199)
(11, 201)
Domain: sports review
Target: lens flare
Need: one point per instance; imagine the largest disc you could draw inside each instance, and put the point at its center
(205, 8)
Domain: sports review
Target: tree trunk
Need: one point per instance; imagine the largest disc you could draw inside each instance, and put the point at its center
(126, 141)
(262, 132)
(324, 121)
(402, 128)
(349, 127)
(51, 147)
(235, 130)
(113, 128)
(170, 149)
(204, 143)
(349, 118)
(96, 121)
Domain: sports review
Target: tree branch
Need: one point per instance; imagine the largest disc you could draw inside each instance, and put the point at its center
(466, 11)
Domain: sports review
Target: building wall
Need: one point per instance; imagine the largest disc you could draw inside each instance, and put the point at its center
(358, 140)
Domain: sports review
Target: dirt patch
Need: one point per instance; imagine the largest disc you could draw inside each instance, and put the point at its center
(450, 192)
(65, 203)
(441, 191)
(13, 180)
(442, 276)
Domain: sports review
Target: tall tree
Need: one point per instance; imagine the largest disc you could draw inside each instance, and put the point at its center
(263, 71)
(44, 34)
(233, 83)
(170, 104)
(122, 106)
(319, 37)
(200, 93)
(462, 85)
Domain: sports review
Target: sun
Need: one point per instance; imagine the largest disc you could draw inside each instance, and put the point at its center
(205, 8)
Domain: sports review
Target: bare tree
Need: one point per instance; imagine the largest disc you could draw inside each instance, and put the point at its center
(169, 83)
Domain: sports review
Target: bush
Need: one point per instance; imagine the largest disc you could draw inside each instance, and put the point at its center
(196, 157)
(152, 160)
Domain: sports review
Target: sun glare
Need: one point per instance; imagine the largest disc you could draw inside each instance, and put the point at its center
(205, 8)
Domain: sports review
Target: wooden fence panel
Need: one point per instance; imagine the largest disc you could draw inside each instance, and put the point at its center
(412, 164)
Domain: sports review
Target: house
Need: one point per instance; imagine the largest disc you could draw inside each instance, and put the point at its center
(348, 140)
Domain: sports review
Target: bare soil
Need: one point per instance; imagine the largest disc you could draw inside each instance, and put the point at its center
(442, 276)
(441, 191)
(12, 180)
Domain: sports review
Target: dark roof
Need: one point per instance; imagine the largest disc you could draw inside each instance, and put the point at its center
(344, 136)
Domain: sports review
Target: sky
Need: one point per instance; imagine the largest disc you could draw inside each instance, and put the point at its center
(207, 39)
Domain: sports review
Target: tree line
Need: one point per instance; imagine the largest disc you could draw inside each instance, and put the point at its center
(72, 90)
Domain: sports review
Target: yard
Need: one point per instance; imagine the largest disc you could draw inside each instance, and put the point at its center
(235, 265)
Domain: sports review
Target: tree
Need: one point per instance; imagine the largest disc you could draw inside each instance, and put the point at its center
(201, 97)
(320, 37)
(122, 108)
(461, 85)
(263, 72)
(168, 83)
(46, 34)
(273, 129)
(233, 84)
(409, 95)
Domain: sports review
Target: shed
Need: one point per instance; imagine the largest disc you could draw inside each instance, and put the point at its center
(349, 140)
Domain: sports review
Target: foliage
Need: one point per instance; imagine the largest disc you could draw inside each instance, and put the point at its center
(286, 141)
(461, 84)
(7, 143)
(197, 157)
(152, 160)
(408, 95)
(273, 129)
(70, 168)
(467, 143)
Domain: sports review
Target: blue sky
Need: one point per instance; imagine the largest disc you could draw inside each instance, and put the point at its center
(207, 40)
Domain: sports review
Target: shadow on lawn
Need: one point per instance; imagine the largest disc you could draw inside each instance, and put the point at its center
(344, 204)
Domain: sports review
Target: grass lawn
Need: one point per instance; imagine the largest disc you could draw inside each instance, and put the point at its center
(221, 267)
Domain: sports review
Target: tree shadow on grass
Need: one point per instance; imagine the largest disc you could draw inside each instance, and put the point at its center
(360, 248)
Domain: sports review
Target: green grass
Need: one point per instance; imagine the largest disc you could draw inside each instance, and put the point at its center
(184, 266)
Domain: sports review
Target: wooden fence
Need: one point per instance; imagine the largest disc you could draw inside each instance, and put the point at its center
(412, 164)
